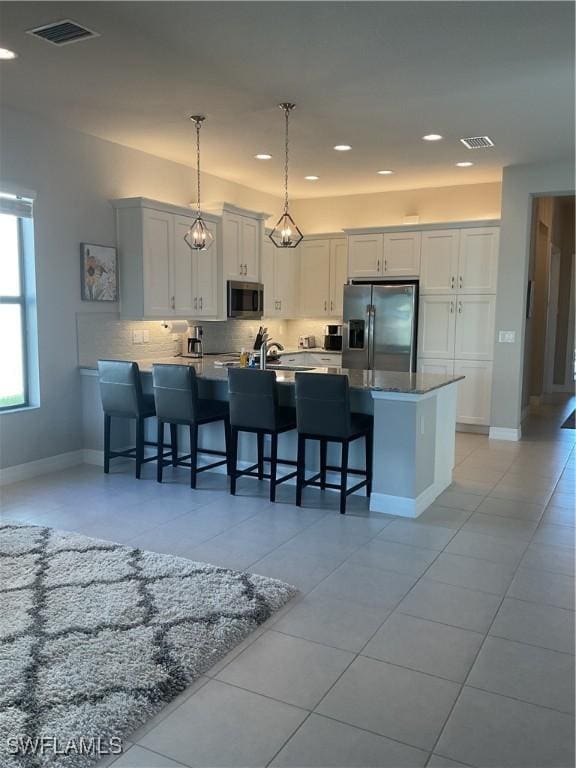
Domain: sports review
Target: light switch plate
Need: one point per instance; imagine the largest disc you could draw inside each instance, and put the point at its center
(507, 337)
(145, 336)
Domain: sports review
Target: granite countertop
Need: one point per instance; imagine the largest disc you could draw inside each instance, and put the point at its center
(377, 381)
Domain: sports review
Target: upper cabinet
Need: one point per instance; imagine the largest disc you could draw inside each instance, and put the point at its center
(160, 276)
(365, 255)
(460, 261)
(338, 274)
(323, 268)
(393, 254)
(280, 270)
(242, 237)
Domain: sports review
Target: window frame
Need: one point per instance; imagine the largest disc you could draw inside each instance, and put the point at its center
(21, 301)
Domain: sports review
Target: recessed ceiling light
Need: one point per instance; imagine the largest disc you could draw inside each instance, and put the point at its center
(342, 147)
(6, 54)
(432, 137)
(311, 178)
(464, 164)
(385, 173)
(263, 156)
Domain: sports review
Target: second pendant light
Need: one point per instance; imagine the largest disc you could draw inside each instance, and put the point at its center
(286, 234)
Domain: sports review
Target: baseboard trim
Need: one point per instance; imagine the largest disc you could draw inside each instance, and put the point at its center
(505, 433)
(39, 467)
(403, 506)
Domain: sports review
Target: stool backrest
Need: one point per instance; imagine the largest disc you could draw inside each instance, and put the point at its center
(253, 398)
(323, 404)
(120, 387)
(175, 393)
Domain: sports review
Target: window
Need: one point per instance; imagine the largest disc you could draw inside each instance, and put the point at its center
(15, 233)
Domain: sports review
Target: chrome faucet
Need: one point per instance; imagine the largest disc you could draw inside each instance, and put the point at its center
(263, 352)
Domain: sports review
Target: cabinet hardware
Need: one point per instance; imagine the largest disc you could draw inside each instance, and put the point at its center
(325, 306)
(200, 302)
(461, 281)
(451, 307)
(331, 306)
(452, 282)
(280, 303)
(385, 265)
(378, 266)
(195, 303)
(460, 307)
(173, 302)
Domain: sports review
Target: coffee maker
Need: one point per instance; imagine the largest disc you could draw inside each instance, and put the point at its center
(333, 338)
(192, 342)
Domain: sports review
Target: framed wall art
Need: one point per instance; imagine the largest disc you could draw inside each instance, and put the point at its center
(99, 272)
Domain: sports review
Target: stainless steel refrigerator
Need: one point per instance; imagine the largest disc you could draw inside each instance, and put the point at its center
(380, 326)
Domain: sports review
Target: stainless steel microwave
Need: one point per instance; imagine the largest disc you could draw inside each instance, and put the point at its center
(245, 299)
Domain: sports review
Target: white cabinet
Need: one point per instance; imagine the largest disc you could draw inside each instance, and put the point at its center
(280, 270)
(437, 326)
(401, 254)
(474, 391)
(475, 327)
(439, 261)
(365, 255)
(323, 267)
(241, 244)
(161, 277)
(478, 260)
(439, 367)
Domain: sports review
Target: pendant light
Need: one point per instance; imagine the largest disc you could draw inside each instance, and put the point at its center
(198, 237)
(286, 234)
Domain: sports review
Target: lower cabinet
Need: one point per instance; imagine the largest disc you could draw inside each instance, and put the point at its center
(474, 391)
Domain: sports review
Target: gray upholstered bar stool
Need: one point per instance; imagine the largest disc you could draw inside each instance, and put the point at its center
(178, 403)
(254, 408)
(122, 397)
(323, 414)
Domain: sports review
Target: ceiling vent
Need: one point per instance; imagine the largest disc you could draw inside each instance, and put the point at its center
(477, 142)
(63, 32)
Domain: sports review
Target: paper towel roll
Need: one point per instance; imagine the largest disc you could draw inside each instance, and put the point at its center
(178, 326)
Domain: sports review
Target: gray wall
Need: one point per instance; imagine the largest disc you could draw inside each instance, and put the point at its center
(74, 176)
(519, 184)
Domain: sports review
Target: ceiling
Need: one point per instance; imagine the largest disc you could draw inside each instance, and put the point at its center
(376, 75)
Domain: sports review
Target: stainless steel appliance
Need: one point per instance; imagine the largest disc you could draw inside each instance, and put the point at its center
(333, 338)
(245, 300)
(380, 326)
(192, 342)
(306, 342)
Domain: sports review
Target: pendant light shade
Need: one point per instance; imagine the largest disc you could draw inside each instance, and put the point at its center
(198, 237)
(286, 234)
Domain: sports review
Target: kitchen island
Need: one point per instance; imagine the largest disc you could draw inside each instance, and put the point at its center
(414, 427)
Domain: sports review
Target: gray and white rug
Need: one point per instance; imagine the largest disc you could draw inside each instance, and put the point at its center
(96, 637)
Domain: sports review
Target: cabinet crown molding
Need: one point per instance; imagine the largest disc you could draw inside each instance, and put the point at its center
(221, 208)
(422, 227)
(158, 205)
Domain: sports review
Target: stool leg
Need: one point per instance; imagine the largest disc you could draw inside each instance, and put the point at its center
(369, 459)
(173, 443)
(300, 469)
(159, 451)
(233, 458)
(273, 465)
(139, 446)
(323, 462)
(260, 438)
(228, 446)
(343, 477)
(193, 453)
(107, 423)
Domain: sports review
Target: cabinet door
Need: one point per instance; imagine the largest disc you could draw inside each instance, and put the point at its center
(271, 301)
(250, 249)
(338, 275)
(439, 261)
(158, 261)
(314, 278)
(475, 327)
(402, 254)
(184, 257)
(205, 277)
(231, 245)
(478, 262)
(474, 391)
(365, 255)
(287, 267)
(436, 326)
(439, 366)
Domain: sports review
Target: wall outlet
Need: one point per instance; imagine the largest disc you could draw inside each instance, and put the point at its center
(507, 337)
(175, 337)
(145, 336)
(137, 337)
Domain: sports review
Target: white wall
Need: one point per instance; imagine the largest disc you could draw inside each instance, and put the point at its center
(520, 183)
(74, 176)
(435, 204)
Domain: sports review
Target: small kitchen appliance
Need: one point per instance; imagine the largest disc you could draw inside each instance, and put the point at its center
(192, 342)
(307, 342)
(333, 338)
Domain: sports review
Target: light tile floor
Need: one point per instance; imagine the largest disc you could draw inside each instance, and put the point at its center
(443, 641)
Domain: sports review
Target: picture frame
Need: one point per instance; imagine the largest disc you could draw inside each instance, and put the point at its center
(98, 272)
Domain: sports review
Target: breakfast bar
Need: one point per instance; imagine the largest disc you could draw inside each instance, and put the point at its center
(414, 426)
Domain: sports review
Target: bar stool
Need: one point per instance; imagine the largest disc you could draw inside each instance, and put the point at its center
(177, 402)
(122, 397)
(323, 413)
(254, 408)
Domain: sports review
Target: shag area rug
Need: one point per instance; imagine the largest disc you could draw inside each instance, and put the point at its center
(96, 637)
